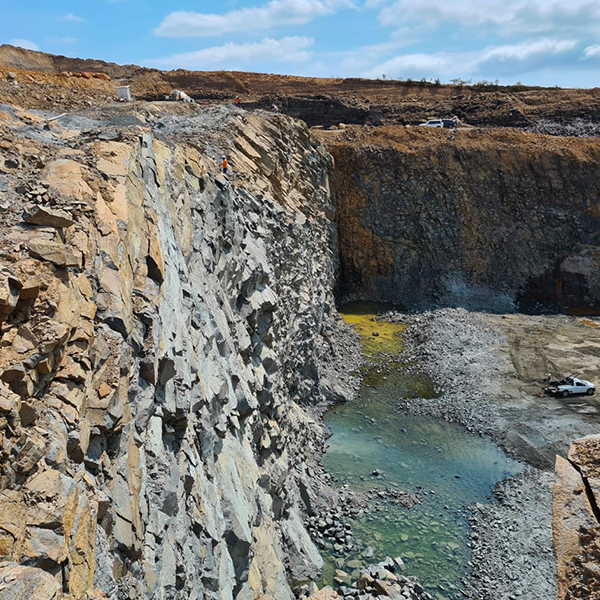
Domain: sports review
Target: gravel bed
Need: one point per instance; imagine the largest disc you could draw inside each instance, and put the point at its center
(512, 538)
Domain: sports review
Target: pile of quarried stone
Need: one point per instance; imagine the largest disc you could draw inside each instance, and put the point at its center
(383, 580)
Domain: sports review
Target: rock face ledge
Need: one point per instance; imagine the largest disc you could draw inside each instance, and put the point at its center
(576, 520)
(160, 343)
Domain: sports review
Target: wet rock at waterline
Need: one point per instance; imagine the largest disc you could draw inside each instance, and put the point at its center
(419, 474)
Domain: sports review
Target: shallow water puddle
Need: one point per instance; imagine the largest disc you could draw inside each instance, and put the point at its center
(448, 466)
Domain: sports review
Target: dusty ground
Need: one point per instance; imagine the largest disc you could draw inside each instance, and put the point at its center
(372, 101)
(539, 424)
(489, 371)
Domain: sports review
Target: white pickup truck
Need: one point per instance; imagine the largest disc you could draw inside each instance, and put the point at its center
(569, 386)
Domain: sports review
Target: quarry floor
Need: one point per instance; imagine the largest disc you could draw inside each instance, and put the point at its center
(488, 370)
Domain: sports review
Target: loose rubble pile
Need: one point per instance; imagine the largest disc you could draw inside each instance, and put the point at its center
(512, 541)
(332, 530)
(451, 345)
(383, 580)
(574, 128)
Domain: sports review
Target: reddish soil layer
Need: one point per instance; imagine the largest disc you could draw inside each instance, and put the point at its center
(318, 101)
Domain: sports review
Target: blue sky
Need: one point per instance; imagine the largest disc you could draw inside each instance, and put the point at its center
(538, 42)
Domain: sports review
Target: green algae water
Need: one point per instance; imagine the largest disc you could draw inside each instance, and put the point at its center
(449, 467)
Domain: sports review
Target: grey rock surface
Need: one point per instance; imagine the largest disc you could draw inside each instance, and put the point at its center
(159, 383)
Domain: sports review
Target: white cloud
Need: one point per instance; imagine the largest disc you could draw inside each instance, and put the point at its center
(268, 16)
(351, 62)
(592, 51)
(23, 43)
(233, 56)
(506, 16)
(510, 58)
(525, 50)
(71, 18)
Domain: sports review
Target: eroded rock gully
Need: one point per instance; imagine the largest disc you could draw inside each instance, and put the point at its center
(163, 331)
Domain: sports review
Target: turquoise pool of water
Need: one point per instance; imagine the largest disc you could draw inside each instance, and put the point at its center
(447, 465)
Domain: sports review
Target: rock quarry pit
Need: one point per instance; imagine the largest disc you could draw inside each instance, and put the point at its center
(170, 340)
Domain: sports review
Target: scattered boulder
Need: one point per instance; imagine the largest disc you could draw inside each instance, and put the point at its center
(327, 593)
(59, 255)
(28, 583)
(10, 288)
(49, 217)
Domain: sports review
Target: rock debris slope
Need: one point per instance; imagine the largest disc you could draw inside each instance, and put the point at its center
(163, 331)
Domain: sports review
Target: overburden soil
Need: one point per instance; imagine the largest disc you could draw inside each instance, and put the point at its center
(323, 101)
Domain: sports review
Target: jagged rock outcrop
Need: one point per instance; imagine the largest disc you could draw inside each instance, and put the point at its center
(467, 218)
(163, 330)
(576, 520)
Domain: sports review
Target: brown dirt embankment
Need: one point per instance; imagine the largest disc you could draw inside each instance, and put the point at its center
(54, 91)
(329, 101)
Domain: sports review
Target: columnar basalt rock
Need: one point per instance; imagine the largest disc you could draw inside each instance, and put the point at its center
(467, 218)
(161, 342)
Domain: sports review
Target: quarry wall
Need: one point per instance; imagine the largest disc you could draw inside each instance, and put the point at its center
(163, 331)
(466, 218)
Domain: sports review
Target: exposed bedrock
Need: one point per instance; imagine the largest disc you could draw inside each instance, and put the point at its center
(576, 520)
(467, 218)
(162, 335)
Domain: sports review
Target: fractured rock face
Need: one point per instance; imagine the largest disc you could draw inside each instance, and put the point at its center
(457, 218)
(157, 357)
(58, 254)
(10, 289)
(575, 524)
(28, 583)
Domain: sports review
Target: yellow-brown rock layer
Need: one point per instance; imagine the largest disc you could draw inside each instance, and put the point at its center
(575, 524)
